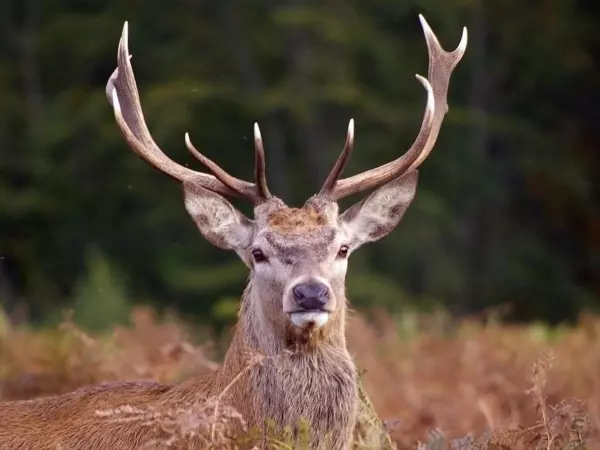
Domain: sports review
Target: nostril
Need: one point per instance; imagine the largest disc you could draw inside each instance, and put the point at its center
(311, 295)
(299, 292)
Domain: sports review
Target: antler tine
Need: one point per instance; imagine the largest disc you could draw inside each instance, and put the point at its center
(123, 95)
(260, 172)
(341, 162)
(441, 65)
(440, 79)
(259, 190)
(240, 187)
(382, 174)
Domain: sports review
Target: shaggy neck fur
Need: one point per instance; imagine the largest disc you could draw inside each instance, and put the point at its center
(302, 376)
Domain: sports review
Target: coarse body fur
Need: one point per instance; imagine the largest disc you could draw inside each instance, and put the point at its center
(294, 379)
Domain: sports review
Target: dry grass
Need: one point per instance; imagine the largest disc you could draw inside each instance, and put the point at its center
(484, 386)
(443, 385)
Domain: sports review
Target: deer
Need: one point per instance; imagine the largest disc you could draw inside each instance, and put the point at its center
(294, 307)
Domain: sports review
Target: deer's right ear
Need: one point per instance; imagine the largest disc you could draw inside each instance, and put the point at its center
(218, 221)
(379, 213)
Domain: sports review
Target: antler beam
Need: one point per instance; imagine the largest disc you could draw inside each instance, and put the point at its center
(441, 65)
(123, 95)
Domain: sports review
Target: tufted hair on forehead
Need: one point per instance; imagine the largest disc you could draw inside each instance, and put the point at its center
(296, 220)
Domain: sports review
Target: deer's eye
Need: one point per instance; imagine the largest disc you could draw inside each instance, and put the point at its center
(258, 255)
(343, 251)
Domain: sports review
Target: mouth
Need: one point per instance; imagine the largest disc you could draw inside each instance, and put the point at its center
(315, 318)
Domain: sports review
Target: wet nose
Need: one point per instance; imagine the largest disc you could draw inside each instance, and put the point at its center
(311, 296)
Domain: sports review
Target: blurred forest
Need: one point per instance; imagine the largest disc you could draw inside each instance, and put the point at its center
(506, 214)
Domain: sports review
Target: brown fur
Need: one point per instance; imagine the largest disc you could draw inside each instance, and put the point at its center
(285, 388)
(302, 375)
(296, 220)
(305, 372)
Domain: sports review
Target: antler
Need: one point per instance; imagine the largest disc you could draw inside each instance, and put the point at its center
(123, 95)
(441, 65)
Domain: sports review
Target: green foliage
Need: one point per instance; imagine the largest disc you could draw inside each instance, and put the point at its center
(225, 309)
(100, 297)
(505, 211)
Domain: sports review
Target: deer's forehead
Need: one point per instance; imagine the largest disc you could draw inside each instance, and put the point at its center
(307, 232)
(297, 220)
(316, 244)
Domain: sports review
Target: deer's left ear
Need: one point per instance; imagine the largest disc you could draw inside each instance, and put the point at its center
(218, 221)
(379, 213)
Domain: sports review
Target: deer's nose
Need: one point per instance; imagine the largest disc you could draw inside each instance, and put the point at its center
(310, 296)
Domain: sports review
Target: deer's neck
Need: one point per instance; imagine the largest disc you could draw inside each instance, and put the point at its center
(272, 372)
(296, 375)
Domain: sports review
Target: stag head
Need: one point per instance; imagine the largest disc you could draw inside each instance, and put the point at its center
(297, 256)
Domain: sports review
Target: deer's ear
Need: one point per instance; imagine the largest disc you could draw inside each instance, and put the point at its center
(378, 214)
(218, 221)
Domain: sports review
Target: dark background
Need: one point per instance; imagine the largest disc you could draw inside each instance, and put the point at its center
(507, 210)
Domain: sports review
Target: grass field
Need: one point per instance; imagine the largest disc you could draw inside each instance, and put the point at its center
(454, 385)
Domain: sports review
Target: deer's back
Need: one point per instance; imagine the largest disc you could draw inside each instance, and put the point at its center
(96, 417)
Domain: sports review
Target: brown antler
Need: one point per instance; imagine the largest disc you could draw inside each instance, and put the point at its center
(123, 95)
(441, 65)
(259, 168)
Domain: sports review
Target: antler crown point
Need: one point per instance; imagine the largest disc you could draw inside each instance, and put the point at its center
(464, 39)
(257, 134)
